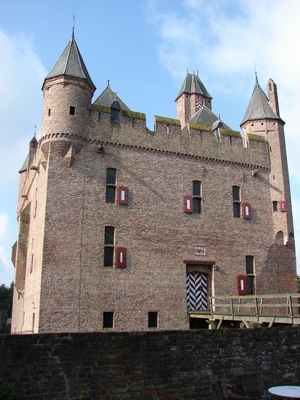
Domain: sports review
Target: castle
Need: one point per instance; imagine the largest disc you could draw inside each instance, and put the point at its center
(127, 229)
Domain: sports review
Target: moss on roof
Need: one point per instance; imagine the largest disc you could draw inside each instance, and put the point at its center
(133, 114)
(229, 132)
(169, 121)
(259, 138)
(101, 108)
(200, 127)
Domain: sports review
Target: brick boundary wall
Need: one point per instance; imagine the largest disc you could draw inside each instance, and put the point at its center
(163, 365)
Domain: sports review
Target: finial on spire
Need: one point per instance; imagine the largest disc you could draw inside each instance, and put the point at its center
(187, 70)
(34, 130)
(107, 82)
(255, 72)
(73, 27)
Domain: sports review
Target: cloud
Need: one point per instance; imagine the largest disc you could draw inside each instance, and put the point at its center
(3, 224)
(21, 74)
(5, 268)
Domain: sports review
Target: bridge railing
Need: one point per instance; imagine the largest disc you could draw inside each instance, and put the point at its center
(269, 304)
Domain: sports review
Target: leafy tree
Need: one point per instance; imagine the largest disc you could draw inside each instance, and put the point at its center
(6, 298)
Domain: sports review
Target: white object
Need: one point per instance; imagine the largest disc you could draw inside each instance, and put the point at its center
(286, 391)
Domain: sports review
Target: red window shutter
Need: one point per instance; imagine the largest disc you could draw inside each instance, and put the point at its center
(121, 257)
(122, 195)
(188, 204)
(246, 210)
(282, 206)
(241, 281)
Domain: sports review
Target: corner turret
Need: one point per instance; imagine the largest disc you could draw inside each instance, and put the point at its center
(262, 120)
(68, 90)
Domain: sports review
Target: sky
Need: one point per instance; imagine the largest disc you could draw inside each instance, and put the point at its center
(145, 48)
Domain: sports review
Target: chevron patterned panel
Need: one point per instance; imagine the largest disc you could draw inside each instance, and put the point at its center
(196, 285)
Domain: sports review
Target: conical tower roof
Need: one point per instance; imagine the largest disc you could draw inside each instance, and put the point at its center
(71, 63)
(108, 96)
(192, 84)
(259, 106)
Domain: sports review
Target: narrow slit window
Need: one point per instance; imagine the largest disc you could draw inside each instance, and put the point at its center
(236, 197)
(109, 243)
(72, 110)
(110, 185)
(275, 206)
(250, 274)
(197, 197)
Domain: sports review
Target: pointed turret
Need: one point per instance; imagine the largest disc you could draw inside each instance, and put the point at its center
(71, 64)
(259, 107)
(191, 97)
(68, 91)
(262, 122)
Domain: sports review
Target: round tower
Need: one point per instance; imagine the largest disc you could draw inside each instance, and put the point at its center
(262, 118)
(68, 90)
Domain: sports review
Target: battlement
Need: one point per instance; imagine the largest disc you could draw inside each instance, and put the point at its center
(195, 140)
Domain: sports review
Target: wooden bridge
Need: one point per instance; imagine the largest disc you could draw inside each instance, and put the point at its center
(251, 311)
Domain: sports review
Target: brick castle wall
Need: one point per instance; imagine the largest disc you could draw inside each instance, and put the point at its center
(148, 365)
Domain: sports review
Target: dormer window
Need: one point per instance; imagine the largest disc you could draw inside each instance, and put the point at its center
(115, 112)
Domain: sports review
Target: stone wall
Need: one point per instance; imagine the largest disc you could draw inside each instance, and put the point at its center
(148, 365)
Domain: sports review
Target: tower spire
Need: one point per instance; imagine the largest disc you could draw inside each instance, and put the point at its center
(73, 27)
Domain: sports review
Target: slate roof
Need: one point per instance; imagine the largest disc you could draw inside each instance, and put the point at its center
(71, 63)
(192, 84)
(259, 106)
(205, 116)
(107, 97)
(25, 165)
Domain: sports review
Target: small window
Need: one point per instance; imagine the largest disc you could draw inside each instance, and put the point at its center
(152, 319)
(197, 197)
(109, 242)
(99, 117)
(250, 274)
(31, 262)
(275, 205)
(115, 116)
(110, 185)
(33, 322)
(108, 319)
(115, 110)
(72, 110)
(236, 197)
(49, 112)
(167, 129)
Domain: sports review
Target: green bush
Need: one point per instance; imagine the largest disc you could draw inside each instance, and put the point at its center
(7, 391)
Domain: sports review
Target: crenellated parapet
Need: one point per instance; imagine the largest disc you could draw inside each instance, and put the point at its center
(194, 139)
